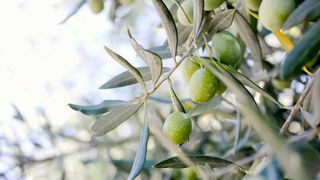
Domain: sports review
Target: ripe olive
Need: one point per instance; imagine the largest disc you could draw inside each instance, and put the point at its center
(212, 4)
(253, 4)
(189, 66)
(226, 48)
(96, 6)
(274, 13)
(188, 9)
(178, 127)
(202, 86)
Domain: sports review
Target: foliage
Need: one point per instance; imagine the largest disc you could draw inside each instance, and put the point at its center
(248, 110)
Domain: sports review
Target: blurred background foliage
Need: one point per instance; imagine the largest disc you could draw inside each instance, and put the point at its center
(51, 54)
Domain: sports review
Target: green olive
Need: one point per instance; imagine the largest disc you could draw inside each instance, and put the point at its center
(126, 2)
(226, 48)
(280, 84)
(253, 4)
(221, 88)
(202, 86)
(96, 6)
(189, 66)
(189, 174)
(210, 5)
(176, 174)
(274, 13)
(188, 9)
(178, 127)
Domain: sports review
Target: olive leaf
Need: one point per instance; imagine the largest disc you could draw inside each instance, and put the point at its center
(303, 52)
(198, 6)
(166, 100)
(126, 78)
(115, 117)
(237, 132)
(316, 97)
(168, 24)
(306, 105)
(101, 108)
(153, 60)
(177, 105)
(221, 21)
(213, 162)
(18, 115)
(265, 168)
(127, 65)
(183, 34)
(141, 154)
(308, 10)
(244, 80)
(74, 11)
(163, 51)
(205, 107)
(249, 37)
(309, 118)
(126, 165)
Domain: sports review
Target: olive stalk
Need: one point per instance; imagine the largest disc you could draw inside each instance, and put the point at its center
(165, 78)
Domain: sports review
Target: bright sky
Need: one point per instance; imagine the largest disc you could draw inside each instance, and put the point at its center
(47, 65)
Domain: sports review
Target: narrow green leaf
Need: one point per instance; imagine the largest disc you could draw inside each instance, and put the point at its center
(303, 52)
(125, 165)
(198, 6)
(115, 117)
(244, 80)
(168, 24)
(126, 78)
(166, 100)
(205, 107)
(103, 107)
(18, 115)
(177, 105)
(221, 21)
(73, 11)
(310, 118)
(308, 10)
(257, 166)
(316, 97)
(183, 35)
(126, 65)
(213, 162)
(163, 51)
(153, 60)
(142, 149)
(237, 132)
(306, 105)
(249, 37)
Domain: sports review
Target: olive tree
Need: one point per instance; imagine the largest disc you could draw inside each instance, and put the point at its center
(227, 65)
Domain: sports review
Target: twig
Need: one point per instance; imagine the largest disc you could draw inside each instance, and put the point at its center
(296, 107)
(157, 85)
